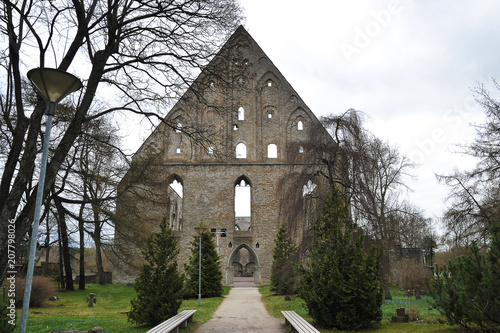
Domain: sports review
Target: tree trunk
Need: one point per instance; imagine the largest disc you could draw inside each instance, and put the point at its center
(61, 270)
(386, 272)
(98, 255)
(81, 232)
(61, 219)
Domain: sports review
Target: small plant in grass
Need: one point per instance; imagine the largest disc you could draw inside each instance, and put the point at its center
(41, 289)
(341, 283)
(468, 292)
(413, 313)
(159, 284)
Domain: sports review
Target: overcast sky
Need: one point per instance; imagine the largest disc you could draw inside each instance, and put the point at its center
(408, 65)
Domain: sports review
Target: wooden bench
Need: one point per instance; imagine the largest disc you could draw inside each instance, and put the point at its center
(297, 323)
(173, 324)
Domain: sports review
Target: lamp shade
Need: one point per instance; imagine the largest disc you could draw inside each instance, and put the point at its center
(54, 84)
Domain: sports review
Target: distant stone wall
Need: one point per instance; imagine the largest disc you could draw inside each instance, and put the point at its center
(412, 254)
(50, 269)
(108, 278)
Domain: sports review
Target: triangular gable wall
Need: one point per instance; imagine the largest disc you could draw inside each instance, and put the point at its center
(240, 75)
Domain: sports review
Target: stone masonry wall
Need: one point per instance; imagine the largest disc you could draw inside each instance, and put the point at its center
(242, 79)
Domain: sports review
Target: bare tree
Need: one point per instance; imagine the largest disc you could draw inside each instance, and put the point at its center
(379, 180)
(327, 160)
(475, 194)
(143, 53)
(408, 226)
(369, 172)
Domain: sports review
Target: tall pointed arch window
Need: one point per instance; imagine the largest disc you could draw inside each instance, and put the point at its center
(175, 203)
(308, 188)
(242, 204)
(241, 113)
(300, 125)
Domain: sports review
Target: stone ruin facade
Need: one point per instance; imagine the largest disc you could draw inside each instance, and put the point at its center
(217, 160)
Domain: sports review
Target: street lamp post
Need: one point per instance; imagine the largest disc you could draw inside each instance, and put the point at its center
(221, 233)
(200, 231)
(52, 85)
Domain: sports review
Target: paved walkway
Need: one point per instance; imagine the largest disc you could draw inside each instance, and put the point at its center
(240, 312)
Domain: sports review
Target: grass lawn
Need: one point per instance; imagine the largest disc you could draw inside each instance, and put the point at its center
(113, 302)
(429, 319)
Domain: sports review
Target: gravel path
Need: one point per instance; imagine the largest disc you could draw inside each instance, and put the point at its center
(242, 311)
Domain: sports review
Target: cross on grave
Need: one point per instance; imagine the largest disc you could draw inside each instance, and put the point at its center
(91, 300)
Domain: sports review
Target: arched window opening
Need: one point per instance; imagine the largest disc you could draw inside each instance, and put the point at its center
(301, 150)
(300, 125)
(177, 187)
(241, 113)
(242, 205)
(178, 127)
(241, 150)
(308, 188)
(269, 113)
(210, 150)
(272, 151)
(175, 199)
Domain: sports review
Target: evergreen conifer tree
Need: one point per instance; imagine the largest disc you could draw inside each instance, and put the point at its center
(211, 273)
(341, 283)
(159, 284)
(282, 272)
(468, 292)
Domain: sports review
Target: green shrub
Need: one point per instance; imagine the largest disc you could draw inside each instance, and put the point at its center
(467, 292)
(341, 283)
(41, 289)
(159, 284)
(211, 273)
(282, 272)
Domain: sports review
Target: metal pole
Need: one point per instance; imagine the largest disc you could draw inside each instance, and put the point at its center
(36, 219)
(199, 276)
(217, 242)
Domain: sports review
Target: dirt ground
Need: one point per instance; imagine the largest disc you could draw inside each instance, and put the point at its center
(240, 312)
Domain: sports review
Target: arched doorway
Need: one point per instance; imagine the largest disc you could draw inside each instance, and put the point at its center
(243, 263)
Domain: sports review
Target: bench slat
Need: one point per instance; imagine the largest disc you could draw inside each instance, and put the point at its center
(174, 322)
(298, 323)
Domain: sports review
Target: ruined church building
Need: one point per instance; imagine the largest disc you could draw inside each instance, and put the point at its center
(253, 119)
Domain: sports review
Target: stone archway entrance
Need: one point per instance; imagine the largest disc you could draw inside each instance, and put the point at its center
(243, 266)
